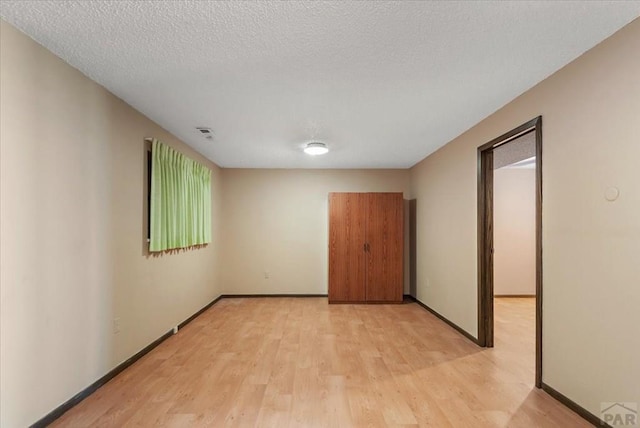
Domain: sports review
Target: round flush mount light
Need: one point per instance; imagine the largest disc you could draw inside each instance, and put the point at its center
(316, 148)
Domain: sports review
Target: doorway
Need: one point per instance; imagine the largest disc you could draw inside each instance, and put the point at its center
(486, 237)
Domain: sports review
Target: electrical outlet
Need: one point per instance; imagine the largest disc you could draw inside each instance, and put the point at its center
(266, 274)
(116, 325)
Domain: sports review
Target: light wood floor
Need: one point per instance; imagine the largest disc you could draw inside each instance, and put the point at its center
(278, 362)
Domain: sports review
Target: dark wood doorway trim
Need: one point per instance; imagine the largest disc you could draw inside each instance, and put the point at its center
(485, 236)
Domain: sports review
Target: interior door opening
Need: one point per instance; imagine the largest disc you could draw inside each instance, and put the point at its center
(513, 159)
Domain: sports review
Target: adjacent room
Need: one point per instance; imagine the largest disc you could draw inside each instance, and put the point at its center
(514, 256)
(319, 214)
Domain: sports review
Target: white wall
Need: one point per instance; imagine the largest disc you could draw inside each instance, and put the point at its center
(73, 228)
(277, 221)
(591, 247)
(514, 234)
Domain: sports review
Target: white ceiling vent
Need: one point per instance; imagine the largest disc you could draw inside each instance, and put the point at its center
(206, 132)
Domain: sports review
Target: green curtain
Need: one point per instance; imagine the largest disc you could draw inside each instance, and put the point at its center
(180, 200)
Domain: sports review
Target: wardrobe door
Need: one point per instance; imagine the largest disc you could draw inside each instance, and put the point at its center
(385, 236)
(347, 217)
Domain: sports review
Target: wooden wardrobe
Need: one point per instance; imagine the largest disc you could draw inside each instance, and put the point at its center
(366, 234)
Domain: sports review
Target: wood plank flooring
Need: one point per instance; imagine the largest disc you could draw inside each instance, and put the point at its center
(299, 362)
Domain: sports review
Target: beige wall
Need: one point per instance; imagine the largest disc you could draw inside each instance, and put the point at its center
(591, 247)
(514, 235)
(72, 234)
(276, 221)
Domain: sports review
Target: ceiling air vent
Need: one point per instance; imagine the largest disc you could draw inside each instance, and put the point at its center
(205, 132)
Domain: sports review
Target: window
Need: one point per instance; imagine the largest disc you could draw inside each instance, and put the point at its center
(179, 200)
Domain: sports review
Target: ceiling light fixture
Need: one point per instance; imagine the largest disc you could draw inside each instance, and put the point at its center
(316, 148)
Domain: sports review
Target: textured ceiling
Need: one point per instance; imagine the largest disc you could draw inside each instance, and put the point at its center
(382, 83)
(523, 147)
